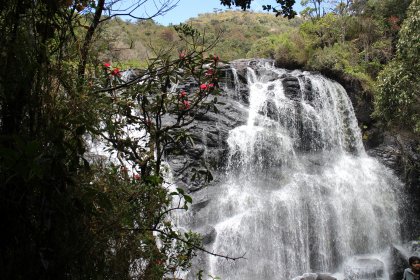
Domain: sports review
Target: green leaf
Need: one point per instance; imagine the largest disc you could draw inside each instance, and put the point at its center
(181, 191)
(188, 198)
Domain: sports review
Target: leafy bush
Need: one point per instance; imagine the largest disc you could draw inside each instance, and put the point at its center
(286, 48)
(397, 100)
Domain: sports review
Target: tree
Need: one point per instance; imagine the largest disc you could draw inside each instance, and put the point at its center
(315, 11)
(397, 101)
(65, 215)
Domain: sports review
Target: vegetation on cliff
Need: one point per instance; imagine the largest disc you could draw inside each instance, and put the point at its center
(398, 100)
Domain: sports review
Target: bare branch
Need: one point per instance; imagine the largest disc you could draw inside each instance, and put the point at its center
(161, 9)
(190, 244)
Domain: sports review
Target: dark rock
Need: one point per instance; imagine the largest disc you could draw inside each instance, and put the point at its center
(398, 262)
(208, 234)
(388, 153)
(400, 151)
(292, 88)
(272, 111)
(325, 276)
(200, 205)
(308, 95)
(309, 276)
(414, 248)
(372, 137)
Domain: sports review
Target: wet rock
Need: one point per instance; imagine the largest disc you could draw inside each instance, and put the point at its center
(208, 234)
(308, 95)
(309, 276)
(400, 151)
(398, 262)
(414, 248)
(292, 88)
(388, 153)
(325, 276)
(271, 110)
(200, 205)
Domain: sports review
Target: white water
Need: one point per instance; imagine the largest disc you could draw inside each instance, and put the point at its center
(300, 194)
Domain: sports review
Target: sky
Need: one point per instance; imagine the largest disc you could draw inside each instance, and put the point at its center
(186, 9)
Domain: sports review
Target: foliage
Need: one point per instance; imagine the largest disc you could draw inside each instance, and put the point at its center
(234, 31)
(286, 49)
(338, 59)
(285, 9)
(266, 47)
(397, 101)
(65, 213)
(238, 31)
(313, 8)
(122, 209)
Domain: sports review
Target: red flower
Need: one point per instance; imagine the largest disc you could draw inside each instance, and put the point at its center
(393, 19)
(136, 177)
(116, 72)
(182, 94)
(182, 55)
(203, 87)
(148, 122)
(107, 65)
(211, 85)
(209, 72)
(186, 104)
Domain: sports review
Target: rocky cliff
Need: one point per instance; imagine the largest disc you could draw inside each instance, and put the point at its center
(396, 150)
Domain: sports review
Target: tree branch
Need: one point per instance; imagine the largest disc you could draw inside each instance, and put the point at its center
(190, 244)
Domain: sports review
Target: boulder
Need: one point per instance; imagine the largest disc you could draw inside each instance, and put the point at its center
(325, 276)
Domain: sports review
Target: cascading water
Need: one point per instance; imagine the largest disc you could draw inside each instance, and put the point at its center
(299, 194)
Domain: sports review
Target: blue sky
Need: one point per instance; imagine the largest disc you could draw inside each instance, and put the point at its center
(186, 9)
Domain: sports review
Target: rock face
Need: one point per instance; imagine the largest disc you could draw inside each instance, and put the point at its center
(401, 153)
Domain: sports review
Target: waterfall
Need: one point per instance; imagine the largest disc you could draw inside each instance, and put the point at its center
(299, 193)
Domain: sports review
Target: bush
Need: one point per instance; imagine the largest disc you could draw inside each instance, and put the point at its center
(397, 100)
(287, 49)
